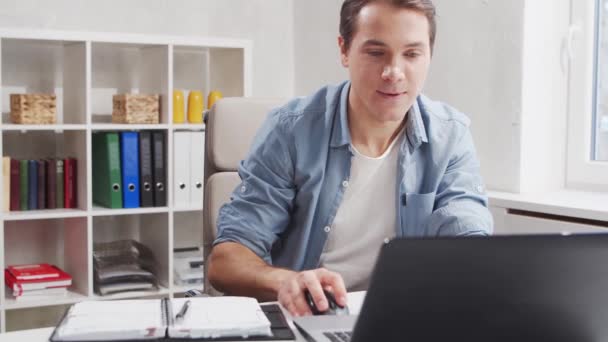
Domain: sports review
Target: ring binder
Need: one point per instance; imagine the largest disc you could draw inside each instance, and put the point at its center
(131, 320)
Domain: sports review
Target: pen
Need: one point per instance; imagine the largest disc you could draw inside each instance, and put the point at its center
(182, 312)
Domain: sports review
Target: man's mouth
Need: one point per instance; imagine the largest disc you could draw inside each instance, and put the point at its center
(391, 94)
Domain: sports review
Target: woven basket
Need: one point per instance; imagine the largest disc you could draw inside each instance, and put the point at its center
(135, 108)
(33, 109)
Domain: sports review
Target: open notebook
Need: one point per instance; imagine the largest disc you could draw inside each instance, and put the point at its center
(206, 318)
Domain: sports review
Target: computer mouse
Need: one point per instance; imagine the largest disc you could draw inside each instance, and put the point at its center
(334, 307)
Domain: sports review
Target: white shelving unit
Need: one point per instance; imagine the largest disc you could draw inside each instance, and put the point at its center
(84, 70)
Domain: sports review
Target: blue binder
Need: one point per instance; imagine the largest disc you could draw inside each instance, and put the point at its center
(129, 158)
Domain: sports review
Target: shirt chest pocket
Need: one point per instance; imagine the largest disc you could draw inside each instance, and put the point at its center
(416, 210)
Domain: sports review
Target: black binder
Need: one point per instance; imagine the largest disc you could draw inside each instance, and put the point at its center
(159, 172)
(146, 189)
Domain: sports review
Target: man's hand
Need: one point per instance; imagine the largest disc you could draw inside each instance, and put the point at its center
(291, 291)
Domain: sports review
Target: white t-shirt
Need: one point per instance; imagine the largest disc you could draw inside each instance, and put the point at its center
(365, 219)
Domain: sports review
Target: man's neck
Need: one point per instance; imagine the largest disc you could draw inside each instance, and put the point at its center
(370, 137)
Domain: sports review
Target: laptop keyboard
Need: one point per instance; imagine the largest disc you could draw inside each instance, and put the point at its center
(338, 336)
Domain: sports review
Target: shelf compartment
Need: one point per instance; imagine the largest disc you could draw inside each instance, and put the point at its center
(49, 144)
(207, 69)
(34, 317)
(46, 66)
(188, 229)
(61, 242)
(187, 232)
(152, 230)
(127, 68)
(227, 71)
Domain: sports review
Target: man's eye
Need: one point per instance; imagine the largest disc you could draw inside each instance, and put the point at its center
(412, 54)
(375, 53)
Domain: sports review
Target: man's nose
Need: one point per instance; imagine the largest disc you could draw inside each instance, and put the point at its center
(392, 73)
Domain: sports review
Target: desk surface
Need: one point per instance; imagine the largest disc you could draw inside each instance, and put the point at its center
(355, 300)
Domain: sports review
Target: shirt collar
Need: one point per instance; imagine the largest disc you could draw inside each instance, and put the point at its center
(415, 129)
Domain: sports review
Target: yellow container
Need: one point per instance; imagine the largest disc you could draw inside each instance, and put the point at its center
(214, 95)
(178, 106)
(196, 106)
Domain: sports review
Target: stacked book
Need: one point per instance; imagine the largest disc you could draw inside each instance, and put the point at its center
(32, 184)
(37, 281)
(129, 169)
(124, 265)
(188, 266)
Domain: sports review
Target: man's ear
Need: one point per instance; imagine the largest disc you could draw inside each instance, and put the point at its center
(343, 52)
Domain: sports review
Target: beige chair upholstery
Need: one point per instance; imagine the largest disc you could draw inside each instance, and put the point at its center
(231, 127)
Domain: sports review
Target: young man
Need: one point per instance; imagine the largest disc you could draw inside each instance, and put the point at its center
(332, 176)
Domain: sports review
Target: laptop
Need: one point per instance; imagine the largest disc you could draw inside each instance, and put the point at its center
(499, 288)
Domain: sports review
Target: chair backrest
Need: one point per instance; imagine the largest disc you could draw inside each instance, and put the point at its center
(231, 127)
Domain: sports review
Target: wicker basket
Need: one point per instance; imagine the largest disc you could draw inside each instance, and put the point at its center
(135, 108)
(33, 109)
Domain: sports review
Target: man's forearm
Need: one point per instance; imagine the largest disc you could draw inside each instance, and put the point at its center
(236, 270)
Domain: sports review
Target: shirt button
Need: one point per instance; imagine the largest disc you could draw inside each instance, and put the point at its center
(387, 240)
(480, 189)
(345, 184)
(327, 229)
(243, 188)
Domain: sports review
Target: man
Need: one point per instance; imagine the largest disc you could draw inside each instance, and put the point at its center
(332, 176)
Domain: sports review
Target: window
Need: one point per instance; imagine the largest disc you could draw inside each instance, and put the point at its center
(587, 47)
(600, 120)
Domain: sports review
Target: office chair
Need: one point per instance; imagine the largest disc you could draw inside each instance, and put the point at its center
(231, 127)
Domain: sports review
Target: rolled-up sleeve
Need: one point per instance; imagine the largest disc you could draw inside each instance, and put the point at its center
(261, 205)
(461, 206)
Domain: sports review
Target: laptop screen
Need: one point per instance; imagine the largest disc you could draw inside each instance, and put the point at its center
(499, 288)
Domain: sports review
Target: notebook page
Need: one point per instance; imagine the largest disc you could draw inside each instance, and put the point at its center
(213, 317)
(113, 320)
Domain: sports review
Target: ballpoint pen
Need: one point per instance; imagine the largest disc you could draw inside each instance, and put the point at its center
(182, 312)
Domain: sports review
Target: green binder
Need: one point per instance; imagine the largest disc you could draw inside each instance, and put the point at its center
(106, 170)
(23, 183)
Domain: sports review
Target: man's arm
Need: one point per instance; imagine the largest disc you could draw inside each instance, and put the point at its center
(258, 213)
(236, 270)
(461, 205)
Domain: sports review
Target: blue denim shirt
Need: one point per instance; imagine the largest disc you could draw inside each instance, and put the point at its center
(293, 179)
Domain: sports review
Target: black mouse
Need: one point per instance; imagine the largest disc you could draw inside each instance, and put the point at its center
(334, 307)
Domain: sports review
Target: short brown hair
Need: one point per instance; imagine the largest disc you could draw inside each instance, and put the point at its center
(351, 8)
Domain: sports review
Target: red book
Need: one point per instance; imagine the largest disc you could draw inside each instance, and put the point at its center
(15, 191)
(18, 286)
(33, 271)
(69, 183)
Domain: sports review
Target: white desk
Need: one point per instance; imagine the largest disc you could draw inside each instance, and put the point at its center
(355, 300)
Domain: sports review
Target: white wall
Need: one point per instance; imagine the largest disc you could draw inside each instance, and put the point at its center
(316, 53)
(268, 23)
(477, 69)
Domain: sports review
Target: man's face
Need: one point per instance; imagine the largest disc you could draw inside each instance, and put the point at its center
(388, 61)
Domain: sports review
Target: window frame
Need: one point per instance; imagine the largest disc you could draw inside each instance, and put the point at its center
(582, 172)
